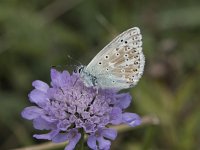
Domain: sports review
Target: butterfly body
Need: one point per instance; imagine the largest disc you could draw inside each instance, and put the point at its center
(88, 79)
(119, 65)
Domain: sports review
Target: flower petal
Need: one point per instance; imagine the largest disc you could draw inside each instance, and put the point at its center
(59, 79)
(38, 97)
(92, 142)
(63, 125)
(48, 136)
(49, 118)
(60, 137)
(109, 133)
(116, 116)
(89, 127)
(124, 100)
(65, 78)
(131, 119)
(55, 77)
(41, 124)
(32, 112)
(103, 143)
(40, 85)
(73, 137)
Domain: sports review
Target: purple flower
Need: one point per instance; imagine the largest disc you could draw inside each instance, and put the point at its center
(68, 106)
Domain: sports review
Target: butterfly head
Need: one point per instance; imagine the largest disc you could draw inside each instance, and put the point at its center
(79, 69)
(88, 79)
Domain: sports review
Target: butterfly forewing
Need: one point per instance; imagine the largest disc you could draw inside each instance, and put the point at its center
(120, 64)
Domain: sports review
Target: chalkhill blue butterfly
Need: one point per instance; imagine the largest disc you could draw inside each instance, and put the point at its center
(119, 65)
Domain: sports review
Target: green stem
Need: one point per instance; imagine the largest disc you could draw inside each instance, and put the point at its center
(80, 144)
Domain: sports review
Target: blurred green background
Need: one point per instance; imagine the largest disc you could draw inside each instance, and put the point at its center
(38, 34)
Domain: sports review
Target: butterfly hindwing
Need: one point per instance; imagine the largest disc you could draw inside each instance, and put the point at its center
(120, 64)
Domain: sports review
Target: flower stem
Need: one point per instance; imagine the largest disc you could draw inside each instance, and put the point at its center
(80, 145)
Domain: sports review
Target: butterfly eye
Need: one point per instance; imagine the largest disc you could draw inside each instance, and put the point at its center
(79, 70)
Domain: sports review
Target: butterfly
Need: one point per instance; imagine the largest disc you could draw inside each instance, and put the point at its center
(119, 65)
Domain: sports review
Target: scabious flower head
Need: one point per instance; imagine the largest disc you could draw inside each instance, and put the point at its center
(68, 106)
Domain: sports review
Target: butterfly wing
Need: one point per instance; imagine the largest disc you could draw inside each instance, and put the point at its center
(120, 64)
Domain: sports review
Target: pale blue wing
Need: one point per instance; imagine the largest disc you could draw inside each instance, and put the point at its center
(120, 64)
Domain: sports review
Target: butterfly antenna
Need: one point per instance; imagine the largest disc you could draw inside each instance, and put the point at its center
(72, 65)
(70, 58)
(57, 67)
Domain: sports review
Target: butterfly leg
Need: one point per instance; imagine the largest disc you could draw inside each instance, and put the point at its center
(96, 89)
